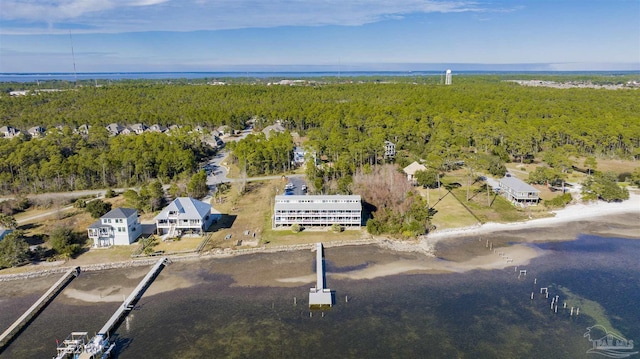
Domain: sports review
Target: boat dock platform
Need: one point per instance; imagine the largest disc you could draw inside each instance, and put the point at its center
(37, 307)
(319, 296)
(77, 345)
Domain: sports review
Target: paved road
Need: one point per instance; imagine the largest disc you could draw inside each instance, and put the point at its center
(218, 174)
(216, 170)
(63, 195)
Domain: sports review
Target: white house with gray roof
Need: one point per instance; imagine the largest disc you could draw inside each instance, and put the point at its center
(9, 132)
(518, 191)
(157, 128)
(114, 129)
(119, 226)
(37, 131)
(317, 210)
(185, 214)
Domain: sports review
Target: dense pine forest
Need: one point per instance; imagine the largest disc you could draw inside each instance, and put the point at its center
(345, 123)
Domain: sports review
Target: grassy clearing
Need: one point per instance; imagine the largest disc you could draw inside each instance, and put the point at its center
(247, 212)
(281, 237)
(103, 255)
(617, 166)
(181, 245)
(493, 209)
(450, 213)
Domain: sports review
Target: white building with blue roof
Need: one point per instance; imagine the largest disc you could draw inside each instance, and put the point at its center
(119, 226)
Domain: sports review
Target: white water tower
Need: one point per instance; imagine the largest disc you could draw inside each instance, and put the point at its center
(447, 78)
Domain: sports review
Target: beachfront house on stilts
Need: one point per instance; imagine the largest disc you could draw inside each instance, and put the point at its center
(518, 192)
(185, 215)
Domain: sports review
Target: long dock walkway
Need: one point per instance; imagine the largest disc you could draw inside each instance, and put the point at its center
(100, 346)
(133, 298)
(320, 296)
(37, 307)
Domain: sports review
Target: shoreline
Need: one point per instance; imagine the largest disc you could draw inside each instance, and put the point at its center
(425, 245)
(571, 213)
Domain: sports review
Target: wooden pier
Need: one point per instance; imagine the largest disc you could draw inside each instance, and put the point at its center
(37, 307)
(100, 346)
(320, 296)
(133, 298)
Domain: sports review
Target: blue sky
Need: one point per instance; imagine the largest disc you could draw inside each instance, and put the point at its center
(289, 35)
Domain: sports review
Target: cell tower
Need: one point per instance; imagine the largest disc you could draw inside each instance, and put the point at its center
(447, 78)
(73, 56)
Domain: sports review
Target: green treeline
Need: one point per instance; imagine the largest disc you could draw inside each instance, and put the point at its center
(63, 160)
(258, 155)
(346, 124)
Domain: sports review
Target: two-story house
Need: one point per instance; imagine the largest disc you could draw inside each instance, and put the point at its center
(119, 226)
(37, 131)
(389, 149)
(185, 214)
(9, 132)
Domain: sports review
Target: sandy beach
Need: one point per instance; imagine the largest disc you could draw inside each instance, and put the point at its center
(238, 289)
(571, 213)
(448, 251)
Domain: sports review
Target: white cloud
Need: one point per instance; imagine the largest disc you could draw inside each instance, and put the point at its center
(113, 16)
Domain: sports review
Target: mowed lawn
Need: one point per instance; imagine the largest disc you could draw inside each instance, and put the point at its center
(185, 243)
(279, 237)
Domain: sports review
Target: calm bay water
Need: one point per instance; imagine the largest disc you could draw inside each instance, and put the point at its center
(479, 314)
(69, 76)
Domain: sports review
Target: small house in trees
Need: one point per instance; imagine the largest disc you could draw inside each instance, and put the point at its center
(114, 129)
(519, 192)
(138, 128)
(37, 131)
(185, 214)
(119, 226)
(276, 127)
(84, 129)
(411, 170)
(9, 132)
(389, 149)
(156, 128)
